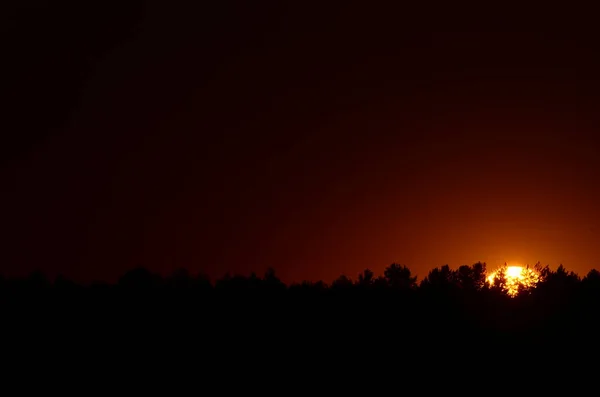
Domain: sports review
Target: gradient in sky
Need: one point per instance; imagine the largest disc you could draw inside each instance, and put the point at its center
(315, 140)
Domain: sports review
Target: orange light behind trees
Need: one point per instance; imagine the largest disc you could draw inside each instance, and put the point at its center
(513, 279)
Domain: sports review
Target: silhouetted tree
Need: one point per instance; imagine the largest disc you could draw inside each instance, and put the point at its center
(439, 280)
(202, 283)
(271, 281)
(63, 283)
(139, 278)
(400, 277)
(365, 278)
(380, 283)
(560, 281)
(543, 271)
(342, 283)
(529, 280)
(479, 275)
(181, 279)
(592, 279)
(590, 291)
(499, 282)
(38, 281)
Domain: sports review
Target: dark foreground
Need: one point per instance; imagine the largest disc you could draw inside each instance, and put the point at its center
(257, 326)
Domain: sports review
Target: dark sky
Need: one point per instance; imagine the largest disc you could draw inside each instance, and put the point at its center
(315, 139)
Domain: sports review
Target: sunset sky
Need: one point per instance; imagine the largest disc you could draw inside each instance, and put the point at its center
(316, 140)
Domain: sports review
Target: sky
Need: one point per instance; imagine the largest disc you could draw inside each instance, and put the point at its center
(314, 139)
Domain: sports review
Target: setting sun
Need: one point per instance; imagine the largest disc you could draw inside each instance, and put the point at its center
(515, 277)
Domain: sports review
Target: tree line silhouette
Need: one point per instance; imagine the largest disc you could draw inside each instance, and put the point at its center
(397, 285)
(449, 312)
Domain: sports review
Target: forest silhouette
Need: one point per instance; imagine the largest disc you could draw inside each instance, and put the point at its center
(453, 323)
(448, 304)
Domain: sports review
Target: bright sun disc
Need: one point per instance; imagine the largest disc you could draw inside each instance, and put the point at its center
(516, 277)
(514, 272)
